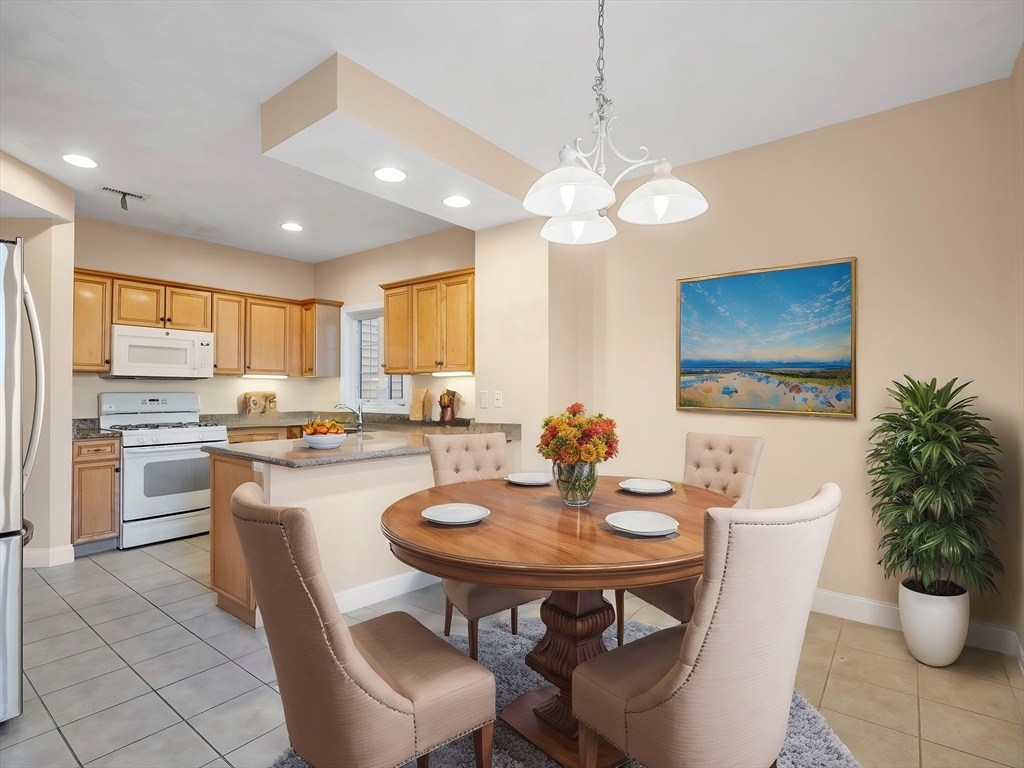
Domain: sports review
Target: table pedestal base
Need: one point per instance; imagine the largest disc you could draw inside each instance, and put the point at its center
(564, 750)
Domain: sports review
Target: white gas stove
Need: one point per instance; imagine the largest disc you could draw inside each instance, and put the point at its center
(165, 477)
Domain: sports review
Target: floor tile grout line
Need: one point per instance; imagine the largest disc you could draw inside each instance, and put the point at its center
(56, 727)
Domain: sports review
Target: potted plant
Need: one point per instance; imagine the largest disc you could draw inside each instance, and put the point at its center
(575, 443)
(933, 474)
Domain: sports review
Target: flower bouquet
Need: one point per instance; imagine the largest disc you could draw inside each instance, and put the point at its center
(576, 443)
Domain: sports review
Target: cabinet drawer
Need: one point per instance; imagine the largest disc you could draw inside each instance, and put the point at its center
(95, 450)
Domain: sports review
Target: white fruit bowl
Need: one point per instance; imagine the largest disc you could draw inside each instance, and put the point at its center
(324, 442)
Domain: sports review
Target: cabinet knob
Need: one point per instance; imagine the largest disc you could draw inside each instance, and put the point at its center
(248, 367)
(162, 319)
(214, 365)
(169, 320)
(107, 362)
(117, 469)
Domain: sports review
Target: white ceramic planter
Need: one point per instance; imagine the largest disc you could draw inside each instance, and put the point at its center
(935, 627)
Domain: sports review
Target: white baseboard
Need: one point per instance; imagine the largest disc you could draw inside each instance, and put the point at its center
(991, 637)
(385, 589)
(38, 557)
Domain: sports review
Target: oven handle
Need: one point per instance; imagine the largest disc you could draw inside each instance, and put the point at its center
(180, 448)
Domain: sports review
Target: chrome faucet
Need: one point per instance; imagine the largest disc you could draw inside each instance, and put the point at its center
(358, 411)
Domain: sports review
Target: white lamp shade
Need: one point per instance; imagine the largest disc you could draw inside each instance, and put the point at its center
(568, 190)
(583, 229)
(662, 200)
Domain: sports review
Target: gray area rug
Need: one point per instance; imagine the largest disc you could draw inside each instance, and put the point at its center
(810, 743)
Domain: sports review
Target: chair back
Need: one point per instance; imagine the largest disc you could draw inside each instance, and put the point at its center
(465, 458)
(726, 702)
(338, 710)
(725, 464)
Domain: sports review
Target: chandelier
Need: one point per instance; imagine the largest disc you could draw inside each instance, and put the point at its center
(577, 196)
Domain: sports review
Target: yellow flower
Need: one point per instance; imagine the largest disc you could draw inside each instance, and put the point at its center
(588, 453)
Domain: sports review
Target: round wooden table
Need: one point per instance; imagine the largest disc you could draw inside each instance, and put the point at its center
(532, 540)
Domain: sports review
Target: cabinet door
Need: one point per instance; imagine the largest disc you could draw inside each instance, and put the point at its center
(426, 309)
(189, 310)
(91, 329)
(309, 339)
(266, 337)
(138, 304)
(228, 334)
(398, 330)
(457, 323)
(295, 340)
(96, 508)
(229, 575)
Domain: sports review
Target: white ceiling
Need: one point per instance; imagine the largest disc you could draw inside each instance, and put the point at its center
(165, 95)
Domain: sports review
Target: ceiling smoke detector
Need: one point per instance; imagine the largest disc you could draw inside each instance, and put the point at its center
(125, 195)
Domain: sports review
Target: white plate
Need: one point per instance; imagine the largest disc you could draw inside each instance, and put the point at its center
(636, 485)
(325, 441)
(529, 478)
(455, 514)
(642, 523)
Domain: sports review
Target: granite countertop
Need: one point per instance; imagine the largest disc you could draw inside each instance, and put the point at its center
(295, 454)
(89, 429)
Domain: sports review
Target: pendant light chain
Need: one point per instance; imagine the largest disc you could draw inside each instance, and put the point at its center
(604, 104)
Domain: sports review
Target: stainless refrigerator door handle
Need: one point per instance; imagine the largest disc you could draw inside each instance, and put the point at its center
(27, 532)
(37, 411)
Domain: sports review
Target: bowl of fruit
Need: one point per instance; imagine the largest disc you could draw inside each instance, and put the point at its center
(324, 434)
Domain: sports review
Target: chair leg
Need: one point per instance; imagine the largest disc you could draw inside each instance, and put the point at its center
(473, 626)
(515, 619)
(588, 747)
(620, 608)
(423, 761)
(447, 617)
(483, 738)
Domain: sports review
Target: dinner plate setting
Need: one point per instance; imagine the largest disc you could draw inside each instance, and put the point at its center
(530, 478)
(455, 514)
(645, 487)
(640, 523)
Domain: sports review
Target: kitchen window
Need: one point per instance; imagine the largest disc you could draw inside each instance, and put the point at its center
(365, 380)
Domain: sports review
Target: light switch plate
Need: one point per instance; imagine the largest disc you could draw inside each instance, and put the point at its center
(497, 398)
(483, 398)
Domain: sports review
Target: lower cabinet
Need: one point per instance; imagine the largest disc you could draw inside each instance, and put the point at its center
(262, 434)
(229, 576)
(96, 490)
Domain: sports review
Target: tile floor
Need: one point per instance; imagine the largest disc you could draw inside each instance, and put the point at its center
(129, 662)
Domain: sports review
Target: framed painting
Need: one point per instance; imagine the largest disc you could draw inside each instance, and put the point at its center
(778, 340)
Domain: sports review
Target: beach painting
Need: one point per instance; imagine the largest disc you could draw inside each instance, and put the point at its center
(776, 340)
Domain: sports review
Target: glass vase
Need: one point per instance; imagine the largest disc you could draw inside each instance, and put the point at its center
(576, 482)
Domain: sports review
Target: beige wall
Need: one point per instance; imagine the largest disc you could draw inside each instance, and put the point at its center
(31, 186)
(48, 257)
(1017, 127)
(356, 280)
(921, 196)
(128, 250)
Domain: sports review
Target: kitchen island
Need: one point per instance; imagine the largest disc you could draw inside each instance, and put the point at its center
(345, 490)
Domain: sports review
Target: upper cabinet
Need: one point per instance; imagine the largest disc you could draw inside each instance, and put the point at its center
(91, 330)
(228, 334)
(266, 337)
(158, 306)
(428, 324)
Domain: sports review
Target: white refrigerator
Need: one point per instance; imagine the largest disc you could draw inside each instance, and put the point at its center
(16, 459)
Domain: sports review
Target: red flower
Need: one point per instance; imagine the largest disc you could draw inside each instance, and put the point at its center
(575, 408)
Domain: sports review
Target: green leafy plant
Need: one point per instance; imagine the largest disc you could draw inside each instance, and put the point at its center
(933, 475)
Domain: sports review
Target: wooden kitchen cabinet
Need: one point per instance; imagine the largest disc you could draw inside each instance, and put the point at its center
(228, 334)
(430, 323)
(321, 338)
(266, 337)
(138, 304)
(308, 339)
(188, 310)
(398, 330)
(295, 340)
(229, 576)
(91, 329)
(258, 434)
(95, 490)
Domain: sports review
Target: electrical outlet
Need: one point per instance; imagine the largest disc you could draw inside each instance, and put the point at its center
(497, 398)
(482, 402)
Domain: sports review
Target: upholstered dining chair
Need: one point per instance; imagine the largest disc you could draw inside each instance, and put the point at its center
(463, 459)
(716, 691)
(725, 464)
(374, 696)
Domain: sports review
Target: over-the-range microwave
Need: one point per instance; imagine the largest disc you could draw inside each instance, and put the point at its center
(160, 353)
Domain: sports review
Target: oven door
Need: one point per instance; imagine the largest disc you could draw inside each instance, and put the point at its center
(164, 479)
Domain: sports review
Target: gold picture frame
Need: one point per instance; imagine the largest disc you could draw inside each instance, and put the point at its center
(774, 340)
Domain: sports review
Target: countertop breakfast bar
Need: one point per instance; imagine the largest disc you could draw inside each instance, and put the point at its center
(344, 490)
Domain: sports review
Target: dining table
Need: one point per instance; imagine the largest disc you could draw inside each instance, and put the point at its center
(531, 539)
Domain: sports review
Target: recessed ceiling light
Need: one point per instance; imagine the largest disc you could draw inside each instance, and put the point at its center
(291, 226)
(389, 174)
(456, 201)
(80, 160)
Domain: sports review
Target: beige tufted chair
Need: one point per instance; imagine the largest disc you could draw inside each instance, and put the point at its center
(725, 464)
(464, 459)
(374, 696)
(717, 691)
